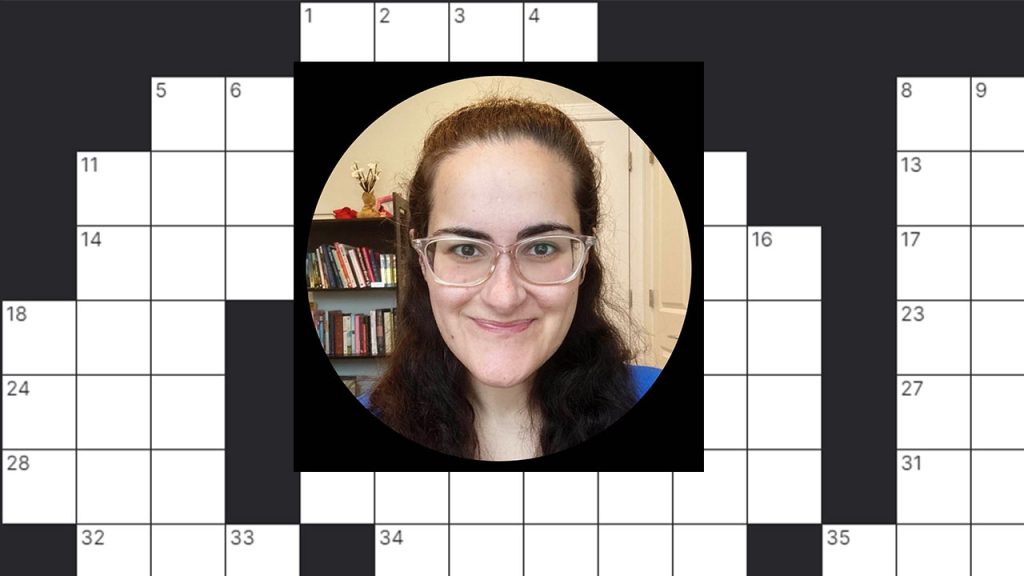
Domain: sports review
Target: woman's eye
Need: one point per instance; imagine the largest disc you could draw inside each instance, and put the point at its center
(465, 250)
(542, 249)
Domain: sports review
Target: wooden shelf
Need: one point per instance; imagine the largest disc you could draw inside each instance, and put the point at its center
(350, 289)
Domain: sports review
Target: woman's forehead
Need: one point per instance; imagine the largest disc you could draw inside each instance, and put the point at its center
(503, 188)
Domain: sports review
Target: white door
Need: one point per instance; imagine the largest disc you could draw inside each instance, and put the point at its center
(670, 266)
(609, 140)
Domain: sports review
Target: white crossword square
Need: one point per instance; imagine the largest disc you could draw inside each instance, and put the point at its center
(997, 338)
(411, 32)
(560, 31)
(260, 188)
(933, 188)
(192, 550)
(188, 188)
(785, 263)
(336, 497)
(932, 412)
(996, 495)
(474, 497)
(725, 188)
(188, 487)
(188, 263)
(259, 263)
(491, 550)
(718, 495)
(411, 550)
(561, 497)
(263, 549)
(412, 497)
(725, 412)
(725, 337)
(995, 549)
(785, 412)
(933, 487)
(993, 274)
(188, 412)
(113, 337)
(933, 263)
(39, 411)
(635, 498)
(260, 114)
(113, 263)
(187, 114)
(869, 550)
(933, 337)
(785, 337)
(995, 192)
(336, 32)
(39, 487)
(997, 121)
(113, 487)
(785, 487)
(113, 412)
(108, 187)
(561, 550)
(486, 32)
(996, 407)
(113, 550)
(631, 550)
(39, 337)
(718, 550)
(188, 337)
(933, 114)
(725, 263)
(933, 550)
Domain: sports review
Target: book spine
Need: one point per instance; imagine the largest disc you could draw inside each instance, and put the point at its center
(350, 278)
(339, 262)
(320, 267)
(366, 334)
(379, 334)
(348, 334)
(373, 332)
(356, 268)
(367, 269)
(375, 261)
(338, 333)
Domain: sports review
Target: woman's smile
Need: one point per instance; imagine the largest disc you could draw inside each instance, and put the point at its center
(503, 327)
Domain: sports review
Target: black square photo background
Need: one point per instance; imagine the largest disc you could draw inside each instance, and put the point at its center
(662, 103)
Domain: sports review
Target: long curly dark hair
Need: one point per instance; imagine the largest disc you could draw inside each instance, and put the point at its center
(584, 387)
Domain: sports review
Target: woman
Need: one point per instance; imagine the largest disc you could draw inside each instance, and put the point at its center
(505, 350)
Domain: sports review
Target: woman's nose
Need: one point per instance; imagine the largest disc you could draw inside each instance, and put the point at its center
(504, 290)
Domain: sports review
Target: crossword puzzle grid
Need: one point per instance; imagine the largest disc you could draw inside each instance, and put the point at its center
(449, 31)
(114, 404)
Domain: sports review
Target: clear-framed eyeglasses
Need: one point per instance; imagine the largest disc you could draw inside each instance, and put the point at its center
(548, 259)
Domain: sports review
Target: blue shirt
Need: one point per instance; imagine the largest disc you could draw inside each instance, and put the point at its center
(643, 379)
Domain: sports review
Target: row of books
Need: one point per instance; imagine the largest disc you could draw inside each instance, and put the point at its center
(342, 334)
(339, 265)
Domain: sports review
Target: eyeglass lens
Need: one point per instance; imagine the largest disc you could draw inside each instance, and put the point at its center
(543, 261)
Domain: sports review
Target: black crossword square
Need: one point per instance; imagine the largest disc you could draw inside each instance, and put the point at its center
(339, 265)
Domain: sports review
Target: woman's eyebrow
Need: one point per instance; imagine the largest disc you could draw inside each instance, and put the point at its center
(532, 230)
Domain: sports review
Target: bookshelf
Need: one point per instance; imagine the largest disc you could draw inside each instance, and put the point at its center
(382, 235)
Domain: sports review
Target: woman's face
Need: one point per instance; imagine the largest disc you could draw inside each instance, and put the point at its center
(501, 190)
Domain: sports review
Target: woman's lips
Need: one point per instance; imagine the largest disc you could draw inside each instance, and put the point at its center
(503, 327)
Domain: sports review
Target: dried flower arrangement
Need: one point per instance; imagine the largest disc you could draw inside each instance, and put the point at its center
(367, 178)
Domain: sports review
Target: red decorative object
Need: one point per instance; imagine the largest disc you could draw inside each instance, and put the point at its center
(345, 213)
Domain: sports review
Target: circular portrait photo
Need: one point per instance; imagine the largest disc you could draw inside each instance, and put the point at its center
(498, 268)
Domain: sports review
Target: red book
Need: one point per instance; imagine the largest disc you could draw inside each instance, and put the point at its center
(364, 253)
